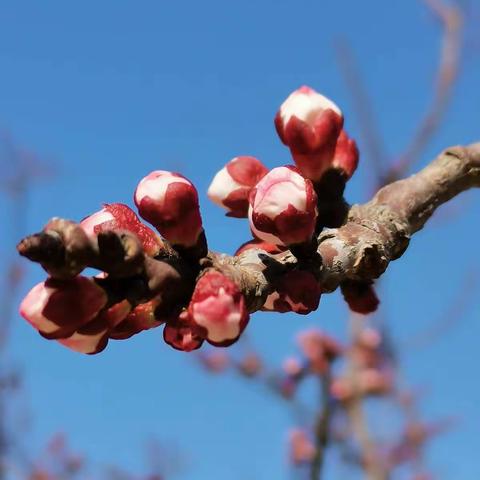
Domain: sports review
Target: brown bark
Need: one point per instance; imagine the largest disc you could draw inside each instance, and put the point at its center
(373, 235)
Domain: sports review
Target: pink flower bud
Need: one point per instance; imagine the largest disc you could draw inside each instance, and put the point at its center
(302, 449)
(341, 389)
(309, 124)
(250, 365)
(360, 296)
(182, 334)
(259, 245)
(57, 308)
(292, 366)
(117, 216)
(314, 343)
(218, 308)
(90, 339)
(346, 155)
(170, 202)
(296, 291)
(216, 361)
(283, 208)
(231, 186)
(141, 318)
(319, 349)
(373, 381)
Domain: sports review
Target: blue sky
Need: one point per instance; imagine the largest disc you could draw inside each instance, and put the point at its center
(108, 91)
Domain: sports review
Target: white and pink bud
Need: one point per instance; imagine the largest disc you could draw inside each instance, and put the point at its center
(90, 339)
(296, 291)
(283, 208)
(170, 203)
(141, 318)
(231, 186)
(345, 159)
(250, 365)
(218, 308)
(182, 334)
(117, 216)
(57, 308)
(360, 296)
(257, 244)
(292, 366)
(319, 349)
(310, 124)
(214, 361)
(302, 448)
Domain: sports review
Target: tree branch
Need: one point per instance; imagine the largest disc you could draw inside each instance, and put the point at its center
(373, 235)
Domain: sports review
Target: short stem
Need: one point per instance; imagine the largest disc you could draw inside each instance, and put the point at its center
(322, 427)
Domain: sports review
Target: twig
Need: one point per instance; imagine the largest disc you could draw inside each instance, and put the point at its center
(450, 318)
(451, 19)
(354, 408)
(322, 427)
(362, 106)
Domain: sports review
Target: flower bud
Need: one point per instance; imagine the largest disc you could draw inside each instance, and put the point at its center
(57, 308)
(283, 208)
(256, 244)
(182, 334)
(296, 291)
(218, 308)
(292, 366)
(309, 124)
(141, 318)
(319, 349)
(117, 216)
(214, 361)
(170, 202)
(374, 381)
(231, 186)
(345, 159)
(90, 339)
(250, 365)
(360, 296)
(302, 449)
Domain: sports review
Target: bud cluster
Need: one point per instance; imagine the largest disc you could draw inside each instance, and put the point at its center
(75, 312)
(373, 373)
(217, 313)
(148, 279)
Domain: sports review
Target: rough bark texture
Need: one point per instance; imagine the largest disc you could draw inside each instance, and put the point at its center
(373, 235)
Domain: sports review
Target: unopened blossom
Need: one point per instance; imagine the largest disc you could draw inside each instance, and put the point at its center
(57, 308)
(341, 388)
(319, 349)
(215, 361)
(310, 124)
(374, 381)
(257, 244)
(218, 308)
(141, 318)
(231, 186)
(283, 208)
(250, 365)
(367, 350)
(93, 337)
(360, 296)
(296, 291)
(90, 339)
(345, 158)
(302, 449)
(292, 366)
(170, 203)
(182, 334)
(117, 216)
